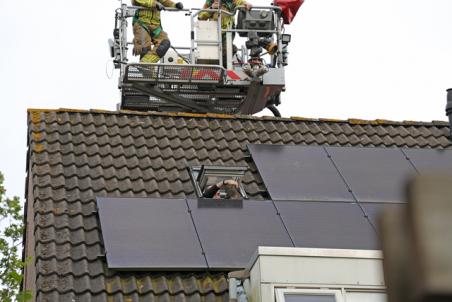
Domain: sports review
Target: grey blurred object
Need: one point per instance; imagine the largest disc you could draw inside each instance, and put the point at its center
(449, 109)
(417, 243)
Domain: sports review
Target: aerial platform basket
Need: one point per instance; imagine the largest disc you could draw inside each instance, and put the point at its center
(173, 87)
(211, 75)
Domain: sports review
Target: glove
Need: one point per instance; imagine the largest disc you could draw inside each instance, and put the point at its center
(248, 6)
(179, 5)
(214, 5)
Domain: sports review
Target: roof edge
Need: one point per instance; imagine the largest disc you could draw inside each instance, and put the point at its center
(351, 121)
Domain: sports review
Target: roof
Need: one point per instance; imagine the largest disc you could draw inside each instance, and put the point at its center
(75, 156)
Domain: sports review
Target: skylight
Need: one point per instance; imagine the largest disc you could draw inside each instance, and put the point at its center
(207, 175)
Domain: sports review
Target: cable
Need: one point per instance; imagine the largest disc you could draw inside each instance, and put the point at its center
(109, 75)
(185, 60)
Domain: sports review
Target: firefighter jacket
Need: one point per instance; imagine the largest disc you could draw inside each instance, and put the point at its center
(151, 16)
(227, 5)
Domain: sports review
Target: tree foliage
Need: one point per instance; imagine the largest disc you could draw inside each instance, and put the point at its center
(11, 232)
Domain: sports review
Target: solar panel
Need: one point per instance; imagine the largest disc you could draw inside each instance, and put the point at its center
(230, 235)
(144, 233)
(374, 174)
(430, 160)
(327, 225)
(375, 210)
(299, 173)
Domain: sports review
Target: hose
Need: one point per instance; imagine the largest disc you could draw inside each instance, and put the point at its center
(274, 110)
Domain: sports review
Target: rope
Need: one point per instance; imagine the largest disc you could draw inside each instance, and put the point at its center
(109, 74)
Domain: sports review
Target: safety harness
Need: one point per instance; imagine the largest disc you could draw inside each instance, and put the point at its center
(154, 34)
(136, 18)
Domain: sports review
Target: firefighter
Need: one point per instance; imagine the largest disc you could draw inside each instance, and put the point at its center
(229, 186)
(150, 41)
(227, 22)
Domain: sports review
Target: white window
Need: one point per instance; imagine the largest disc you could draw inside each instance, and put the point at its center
(351, 296)
(308, 295)
(328, 295)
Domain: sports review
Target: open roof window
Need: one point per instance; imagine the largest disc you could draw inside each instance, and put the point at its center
(205, 176)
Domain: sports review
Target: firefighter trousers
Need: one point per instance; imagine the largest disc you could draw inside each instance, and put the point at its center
(150, 42)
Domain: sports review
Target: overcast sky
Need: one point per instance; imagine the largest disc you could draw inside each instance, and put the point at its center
(388, 59)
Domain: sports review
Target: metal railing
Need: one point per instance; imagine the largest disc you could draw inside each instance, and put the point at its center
(174, 73)
(125, 12)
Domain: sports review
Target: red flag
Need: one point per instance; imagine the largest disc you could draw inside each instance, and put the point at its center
(289, 9)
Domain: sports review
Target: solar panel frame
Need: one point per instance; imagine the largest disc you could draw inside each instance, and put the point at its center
(231, 235)
(430, 160)
(293, 172)
(319, 224)
(375, 210)
(373, 174)
(144, 233)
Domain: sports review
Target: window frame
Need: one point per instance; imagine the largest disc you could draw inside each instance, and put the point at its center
(222, 172)
(280, 292)
(364, 291)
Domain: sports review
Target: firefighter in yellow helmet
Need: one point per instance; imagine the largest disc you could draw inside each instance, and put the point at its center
(150, 41)
(227, 22)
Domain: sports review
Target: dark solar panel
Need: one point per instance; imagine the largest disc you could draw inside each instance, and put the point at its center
(299, 173)
(375, 210)
(374, 174)
(327, 225)
(143, 233)
(230, 235)
(430, 160)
